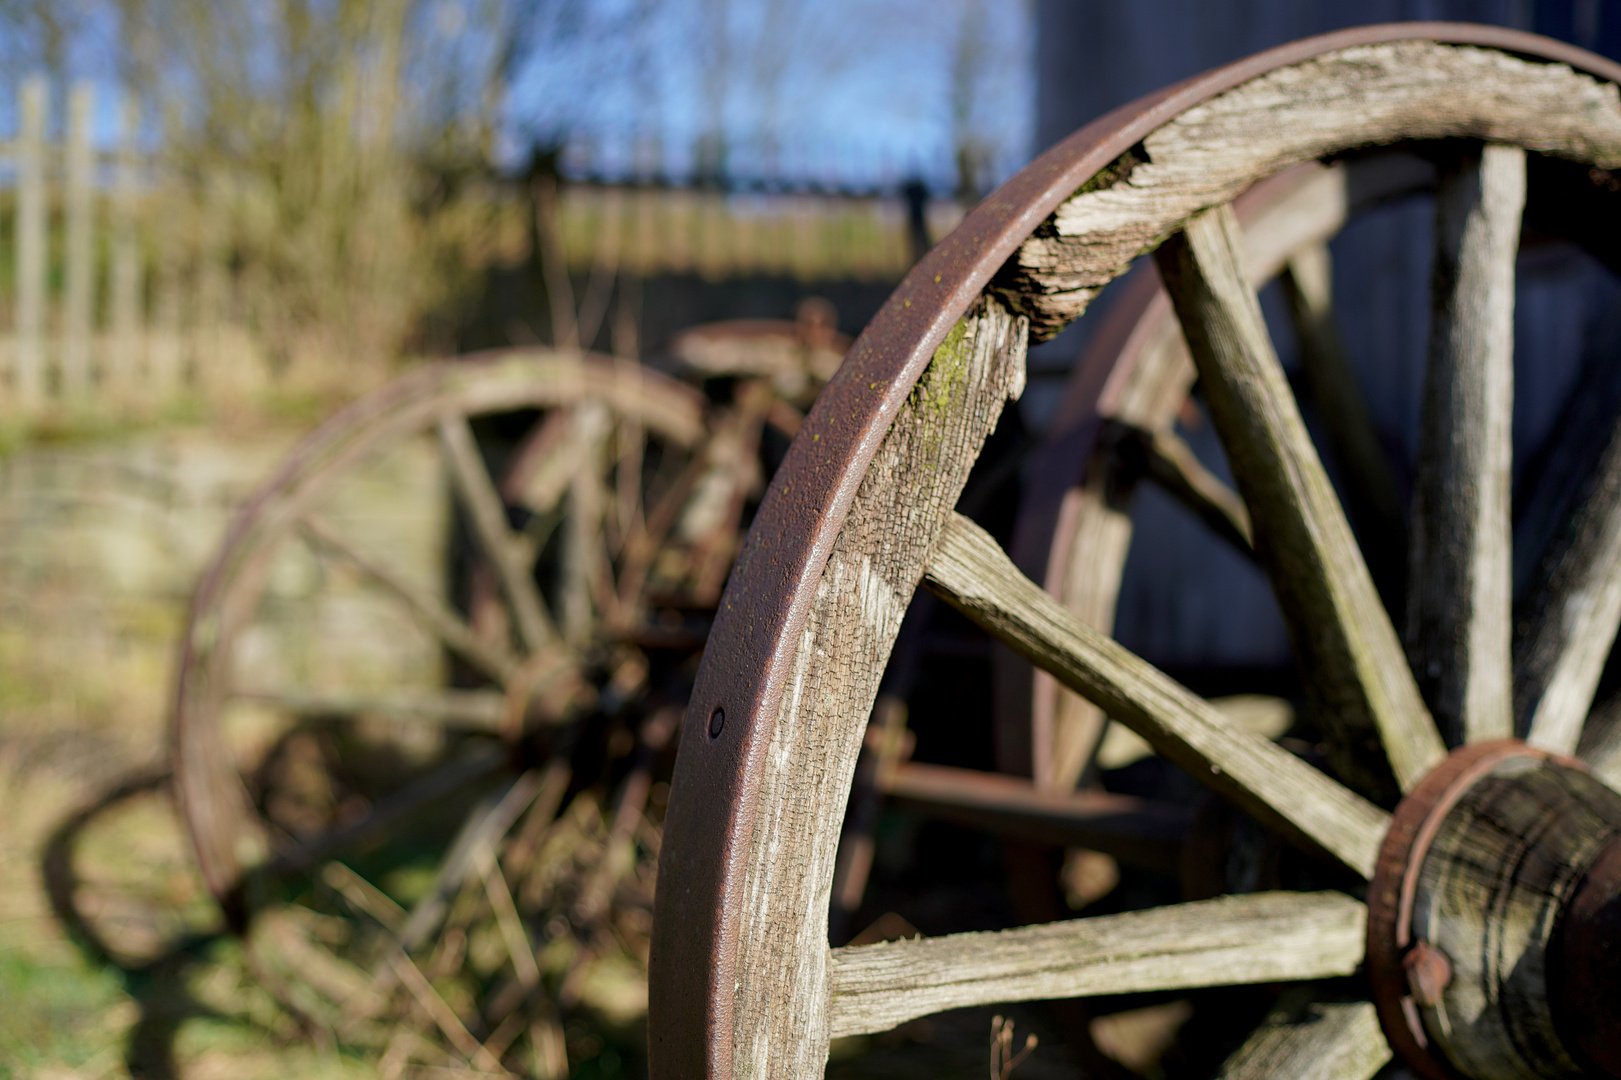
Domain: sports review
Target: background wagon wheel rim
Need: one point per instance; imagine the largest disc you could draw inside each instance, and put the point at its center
(718, 909)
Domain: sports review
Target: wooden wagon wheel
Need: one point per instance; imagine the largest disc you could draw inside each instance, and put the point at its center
(1487, 937)
(566, 677)
(585, 405)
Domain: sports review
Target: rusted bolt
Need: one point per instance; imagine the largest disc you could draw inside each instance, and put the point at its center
(717, 720)
(1428, 973)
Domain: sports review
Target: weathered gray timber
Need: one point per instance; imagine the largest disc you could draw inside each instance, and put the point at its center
(1459, 598)
(1265, 937)
(1339, 627)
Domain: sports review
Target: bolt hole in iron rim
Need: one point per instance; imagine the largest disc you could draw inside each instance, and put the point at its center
(705, 890)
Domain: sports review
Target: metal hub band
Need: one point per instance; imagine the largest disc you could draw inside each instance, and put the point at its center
(1492, 918)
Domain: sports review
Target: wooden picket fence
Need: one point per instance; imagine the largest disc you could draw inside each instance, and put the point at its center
(99, 312)
(717, 234)
(124, 298)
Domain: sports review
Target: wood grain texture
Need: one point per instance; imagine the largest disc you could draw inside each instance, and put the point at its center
(1569, 621)
(1460, 580)
(1489, 896)
(1333, 1041)
(1367, 95)
(885, 746)
(1262, 937)
(780, 1027)
(1358, 679)
(1372, 499)
(971, 572)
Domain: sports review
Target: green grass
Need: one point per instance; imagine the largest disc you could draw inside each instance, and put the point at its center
(60, 1012)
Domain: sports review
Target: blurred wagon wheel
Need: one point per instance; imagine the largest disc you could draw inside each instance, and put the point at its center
(1485, 947)
(373, 760)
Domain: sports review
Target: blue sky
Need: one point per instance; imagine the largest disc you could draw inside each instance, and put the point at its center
(837, 90)
(849, 93)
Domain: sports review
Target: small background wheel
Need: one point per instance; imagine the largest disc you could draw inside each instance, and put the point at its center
(490, 775)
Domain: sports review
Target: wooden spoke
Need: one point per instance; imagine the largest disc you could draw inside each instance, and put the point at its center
(539, 475)
(1339, 1041)
(1357, 673)
(519, 948)
(478, 708)
(1172, 464)
(387, 813)
(450, 628)
(486, 824)
(976, 576)
(1460, 582)
(627, 502)
(1371, 496)
(484, 507)
(584, 557)
(1262, 937)
(1571, 617)
(653, 532)
(1138, 831)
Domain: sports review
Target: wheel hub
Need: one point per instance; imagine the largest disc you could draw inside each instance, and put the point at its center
(1494, 919)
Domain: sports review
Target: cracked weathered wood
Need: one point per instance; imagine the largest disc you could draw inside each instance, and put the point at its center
(1572, 613)
(971, 572)
(1372, 499)
(1460, 582)
(484, 508)
(1360, 96)
(1263, 937)
(886, 744)
(1330, 1041)
(780, 1027)
(1355, 670)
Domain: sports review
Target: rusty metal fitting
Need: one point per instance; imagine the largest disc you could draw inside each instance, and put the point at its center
(1405, 972)
(1429, 972)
